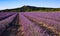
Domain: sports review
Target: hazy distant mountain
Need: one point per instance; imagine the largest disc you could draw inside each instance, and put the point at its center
(29, 9)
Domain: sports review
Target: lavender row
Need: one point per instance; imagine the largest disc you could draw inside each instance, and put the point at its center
(6, 21)
(51, 15)
(31, 18)
(30, 29)
(6, 14)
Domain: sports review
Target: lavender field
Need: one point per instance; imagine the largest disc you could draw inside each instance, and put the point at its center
(29, 23)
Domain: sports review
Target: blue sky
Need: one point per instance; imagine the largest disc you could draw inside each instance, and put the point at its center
(8, 4)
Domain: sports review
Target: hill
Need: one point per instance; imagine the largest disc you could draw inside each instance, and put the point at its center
(30, 9)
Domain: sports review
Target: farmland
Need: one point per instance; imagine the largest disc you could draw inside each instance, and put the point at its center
(30, 23)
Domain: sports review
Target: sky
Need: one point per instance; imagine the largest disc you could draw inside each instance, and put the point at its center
(9, 4)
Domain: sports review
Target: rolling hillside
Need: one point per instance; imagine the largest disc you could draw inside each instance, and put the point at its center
(30, 9)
